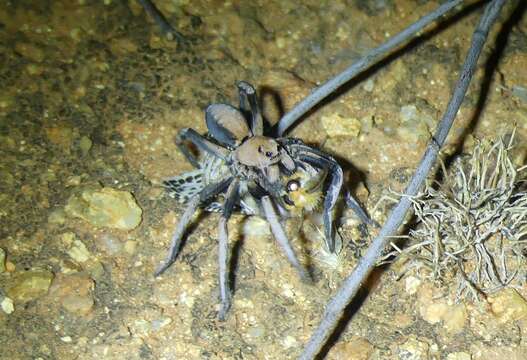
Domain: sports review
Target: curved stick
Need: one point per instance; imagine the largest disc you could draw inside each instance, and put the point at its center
(353, 282)
(324, 90)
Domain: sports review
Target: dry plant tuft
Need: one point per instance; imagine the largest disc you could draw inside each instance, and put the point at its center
(473, 225)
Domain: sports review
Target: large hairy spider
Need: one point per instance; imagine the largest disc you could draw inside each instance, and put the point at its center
(243, 170)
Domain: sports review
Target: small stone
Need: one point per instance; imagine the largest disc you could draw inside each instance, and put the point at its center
(57, 216)
(30, 51)
(508, 305)
(160, 323)
(290, 342)
(66, 339)
(368, 85)
(109, 243)
(413, 349)
(336, 125)
(458, 356)
(106, 207)
(73, 181)
(30, 285)
(9, 266)
(412, 284)
(78, 251)
(85, 145)
(130, 247)
(356, 349)
(2, 260)
(434, 312)
(7, 305)
(455, 319)
(74, 293)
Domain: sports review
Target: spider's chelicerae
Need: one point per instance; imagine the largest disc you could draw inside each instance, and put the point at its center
(243, 170)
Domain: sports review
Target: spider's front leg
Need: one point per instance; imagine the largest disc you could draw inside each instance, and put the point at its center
(248, 96)
(281, 237)
(223, 247)
(205, 194)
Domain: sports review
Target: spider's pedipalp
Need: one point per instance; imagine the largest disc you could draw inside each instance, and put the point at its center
(281, 237)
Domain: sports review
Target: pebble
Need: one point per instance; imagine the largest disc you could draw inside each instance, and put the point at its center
(30, 285)
(355, 349)
(2, 260)
(458, 356)
(76, 248)
(106, 207)
(85, 145)
(336, 125)
(413, 349)
(508, 305)
(57, 216)
(109, 243)
(7, 305)
(30, 51)
(74, 293)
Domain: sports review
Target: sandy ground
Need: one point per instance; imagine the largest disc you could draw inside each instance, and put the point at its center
(92, 97)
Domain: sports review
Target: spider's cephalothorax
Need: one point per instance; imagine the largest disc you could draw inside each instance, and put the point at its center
(242, 170)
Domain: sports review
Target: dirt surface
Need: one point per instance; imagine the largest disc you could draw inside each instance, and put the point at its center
(92, 97)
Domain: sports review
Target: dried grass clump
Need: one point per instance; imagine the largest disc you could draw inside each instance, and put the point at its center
(472, 227)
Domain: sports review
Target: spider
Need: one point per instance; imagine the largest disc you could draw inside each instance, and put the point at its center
(243, 170)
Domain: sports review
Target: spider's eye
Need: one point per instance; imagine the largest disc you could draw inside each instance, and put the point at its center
(260, 150)
(269, 154)
(293, 185)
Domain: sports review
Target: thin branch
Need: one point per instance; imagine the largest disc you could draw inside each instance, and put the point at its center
(372, 57)
(352, 283)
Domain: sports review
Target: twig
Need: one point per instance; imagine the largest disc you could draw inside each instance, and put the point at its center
(331, 85)
(168, 31)
(353, 282)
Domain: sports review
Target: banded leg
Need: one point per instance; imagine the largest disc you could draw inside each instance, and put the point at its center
(201, 143)
(281, 237)
(205, 194)
(223, 248)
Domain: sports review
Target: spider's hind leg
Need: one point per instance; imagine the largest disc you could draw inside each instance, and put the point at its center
(201, 142)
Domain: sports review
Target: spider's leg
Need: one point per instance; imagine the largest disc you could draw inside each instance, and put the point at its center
(193, 204)
(248, 95)
(223, 247)
(201, 143)
(354, 205)
(322, 161)
(281, 237)
(178, 235)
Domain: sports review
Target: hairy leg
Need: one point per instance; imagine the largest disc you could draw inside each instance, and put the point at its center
(223, 248)
(281, 237)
